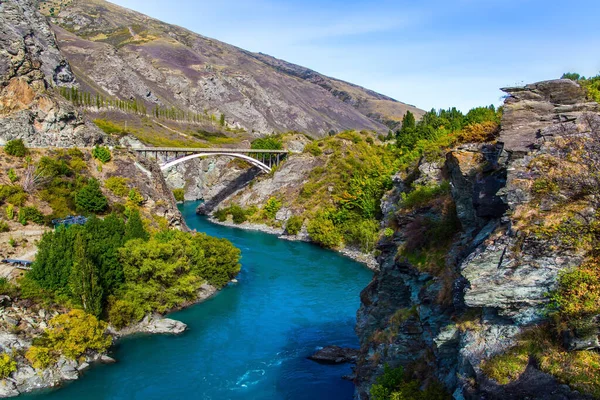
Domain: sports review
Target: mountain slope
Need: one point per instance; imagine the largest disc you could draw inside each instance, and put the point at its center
(121, 53)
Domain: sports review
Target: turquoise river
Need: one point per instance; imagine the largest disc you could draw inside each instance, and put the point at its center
(251, 340)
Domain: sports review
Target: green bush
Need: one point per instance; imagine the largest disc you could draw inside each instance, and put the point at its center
(323, 232)
(10, 212)
(7, 365)
(118, 185)
(313, 148)
(238, 214)
(12, 175)
(122, 313)
(90, 198)
(294, 224)
(4, 227)
(102, 154)
(16, 148)
(13, 194)
(7, 288)
(221, 214)
(271, 207)
(135, 197)
(30, 214)
(394, 385)
(179, 194)
(421, 195)
(267, 143)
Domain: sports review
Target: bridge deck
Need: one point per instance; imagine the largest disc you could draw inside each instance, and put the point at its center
(207, 150)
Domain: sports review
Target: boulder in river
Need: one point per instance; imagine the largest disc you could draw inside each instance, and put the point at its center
(335, 355)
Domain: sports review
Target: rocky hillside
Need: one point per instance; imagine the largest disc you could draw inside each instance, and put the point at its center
(119, 53)
(479, 242)
(31, 67)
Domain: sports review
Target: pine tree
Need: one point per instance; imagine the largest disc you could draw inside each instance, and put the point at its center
(134, 228)
(90, 198)
(84, 280)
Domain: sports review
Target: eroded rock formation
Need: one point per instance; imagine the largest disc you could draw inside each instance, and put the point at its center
(495, 274)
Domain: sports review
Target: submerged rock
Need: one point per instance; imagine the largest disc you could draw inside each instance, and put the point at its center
(335, 355)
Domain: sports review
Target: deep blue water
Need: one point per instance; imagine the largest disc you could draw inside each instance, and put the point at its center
(251, 340)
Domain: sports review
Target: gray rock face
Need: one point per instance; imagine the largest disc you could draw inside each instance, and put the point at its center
(498, 276)
(531, 108)
(30, 67)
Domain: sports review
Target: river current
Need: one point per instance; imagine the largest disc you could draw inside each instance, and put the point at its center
(251, 340)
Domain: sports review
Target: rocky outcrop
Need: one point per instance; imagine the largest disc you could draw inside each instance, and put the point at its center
(441, 324)
(31, 67)
(153, 324)
(334, 355)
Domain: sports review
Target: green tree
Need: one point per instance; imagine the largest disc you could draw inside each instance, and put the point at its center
(134, 228)
(52, 266)
(222, 120)
(90, 197)
(83, 280)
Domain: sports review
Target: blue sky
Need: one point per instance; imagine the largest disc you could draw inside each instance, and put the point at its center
(434, 54)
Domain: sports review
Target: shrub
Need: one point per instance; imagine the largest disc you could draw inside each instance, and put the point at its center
(422, 195)
(313, 148)
(294, 224)
(7, 365)
(7, 288)
(267, 143)
(388, 232)
(13, 194)
(122, 313)
(102, 154)
(75, 333)
(40, 357)
(90, 198)
(118, 185)
(322, 231)
(271, 207)
(362, 233)
(179, 194)
(135, 197)
(221, 214)
(4, 227)
(394, 384)
(507, 367)
(10, 212)
(238, 214)
(12, 175)
(16, 148)
(30, 214)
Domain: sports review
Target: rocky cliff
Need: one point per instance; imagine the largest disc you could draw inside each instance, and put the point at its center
(466, 275)
(31, 67)
(120, 53)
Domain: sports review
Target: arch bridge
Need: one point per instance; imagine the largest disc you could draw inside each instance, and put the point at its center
(171, 156)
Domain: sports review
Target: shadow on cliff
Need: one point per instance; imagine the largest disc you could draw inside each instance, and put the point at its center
(233, 186)
(300, 378)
